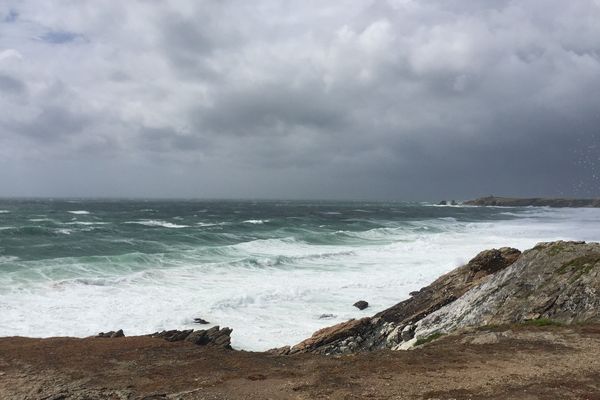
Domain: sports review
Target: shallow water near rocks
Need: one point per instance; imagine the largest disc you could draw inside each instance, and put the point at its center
(268, 269)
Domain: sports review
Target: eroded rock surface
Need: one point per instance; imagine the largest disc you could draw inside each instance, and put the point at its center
(557, 282)
(395, 325)
(214, 336)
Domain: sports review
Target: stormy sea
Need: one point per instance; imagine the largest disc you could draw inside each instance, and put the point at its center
(274, 271)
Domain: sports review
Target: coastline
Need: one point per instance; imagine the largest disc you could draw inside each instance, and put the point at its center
(554, 353)
(533, 202)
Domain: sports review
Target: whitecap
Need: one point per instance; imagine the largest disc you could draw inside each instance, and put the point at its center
(79, 212)
(86, 223)
(4, 211)
(256, 221)
(152, 222)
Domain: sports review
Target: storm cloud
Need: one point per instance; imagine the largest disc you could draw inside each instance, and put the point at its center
(397, 99)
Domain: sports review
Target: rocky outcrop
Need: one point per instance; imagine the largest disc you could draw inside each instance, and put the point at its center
(536, 201)
(395, 325)
(111, 334)
(202, 337)
(557, 281)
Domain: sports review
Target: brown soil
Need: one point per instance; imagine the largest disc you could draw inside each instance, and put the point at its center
(524, 362)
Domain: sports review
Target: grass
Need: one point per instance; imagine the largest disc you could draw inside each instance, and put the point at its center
(429, 338)
(582, 264)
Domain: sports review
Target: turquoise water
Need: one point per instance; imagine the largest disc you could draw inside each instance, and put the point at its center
(269, 269)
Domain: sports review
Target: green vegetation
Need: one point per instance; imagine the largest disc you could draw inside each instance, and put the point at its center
(429, 338)
(557, 248)
(582, 264)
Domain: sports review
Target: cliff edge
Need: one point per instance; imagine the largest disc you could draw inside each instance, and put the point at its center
(557, 282)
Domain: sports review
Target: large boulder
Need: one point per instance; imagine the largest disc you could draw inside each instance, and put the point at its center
(557, 281)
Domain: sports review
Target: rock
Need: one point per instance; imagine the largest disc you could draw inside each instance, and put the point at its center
(453, 203)
(111, 334)
(117, 334)
(213, 336)
(198, 337)
(201, 321)
(361, 304)
(331, 334)
(444, 290)
(443, 203)
(490, 261)
(556, 282)
(406, 345)
(394, 336)
(173, 335)
(327, 316)
(408, 333)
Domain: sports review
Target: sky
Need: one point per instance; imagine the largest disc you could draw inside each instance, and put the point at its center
(300, 99)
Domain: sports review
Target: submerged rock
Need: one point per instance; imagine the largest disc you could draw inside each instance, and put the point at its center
(327, 316)
(201, 321)
(361, 304)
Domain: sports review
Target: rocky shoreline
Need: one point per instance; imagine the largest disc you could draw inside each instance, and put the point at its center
(545, 299)
(533, 201)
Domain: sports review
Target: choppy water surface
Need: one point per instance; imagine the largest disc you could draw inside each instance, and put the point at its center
(269, 269)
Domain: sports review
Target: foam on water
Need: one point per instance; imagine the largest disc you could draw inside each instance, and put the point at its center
(79, 212)
(270, 290)
(163, 224)
(256, 221)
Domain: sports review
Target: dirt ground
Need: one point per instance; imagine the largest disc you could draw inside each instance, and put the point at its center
(503, 363)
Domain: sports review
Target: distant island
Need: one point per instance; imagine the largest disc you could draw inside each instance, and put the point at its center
(534, 201)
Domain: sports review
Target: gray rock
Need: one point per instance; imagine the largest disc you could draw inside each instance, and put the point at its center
(408, 333)
(111, 334)
(558, 281)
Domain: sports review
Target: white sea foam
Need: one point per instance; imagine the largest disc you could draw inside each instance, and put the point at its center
(4, 211)
(271, 292)
(152, 222)
(256, 221)
(86, 223)
(79, 212)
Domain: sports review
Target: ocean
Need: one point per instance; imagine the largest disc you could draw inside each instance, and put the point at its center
(274, 271)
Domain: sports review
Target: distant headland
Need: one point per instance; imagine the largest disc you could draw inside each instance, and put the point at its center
(534, 201)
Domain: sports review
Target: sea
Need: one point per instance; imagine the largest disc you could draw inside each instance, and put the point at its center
(273, 271)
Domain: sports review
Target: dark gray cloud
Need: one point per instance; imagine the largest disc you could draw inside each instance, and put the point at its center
(384, 99)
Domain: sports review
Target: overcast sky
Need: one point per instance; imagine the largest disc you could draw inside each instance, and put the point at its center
(397, 99)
